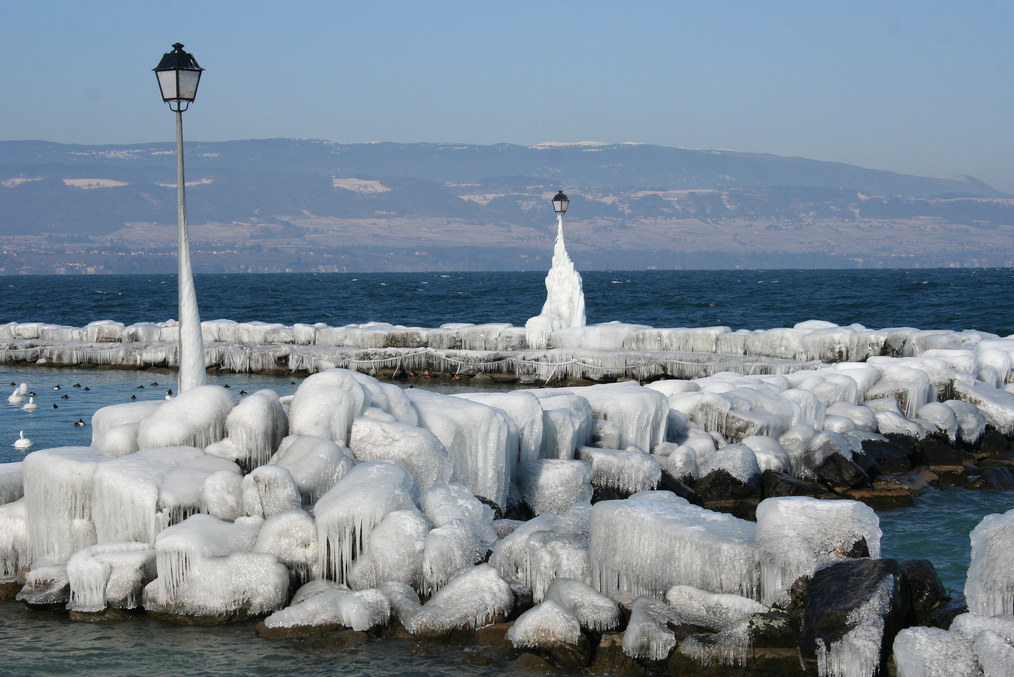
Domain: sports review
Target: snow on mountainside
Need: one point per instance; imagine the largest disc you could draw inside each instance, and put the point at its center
(288, 204)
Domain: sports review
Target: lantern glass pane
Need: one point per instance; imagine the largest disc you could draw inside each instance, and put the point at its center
(167, 83)
(188, 84)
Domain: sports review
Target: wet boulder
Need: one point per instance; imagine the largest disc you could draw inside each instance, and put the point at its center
(925, 588)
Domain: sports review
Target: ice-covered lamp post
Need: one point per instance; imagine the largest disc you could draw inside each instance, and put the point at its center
(564, 305)
(178, 76)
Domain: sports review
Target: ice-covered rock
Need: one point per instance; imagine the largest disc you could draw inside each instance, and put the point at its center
(624, 471)
(933, 652)
(796, 535)
(593, 610)
(415, 449)
(206, 567)
(682, 464)
(269, 489)
(109, 574)
(58, 502)
(472, 599)
(326, 404)
(394, 552)
(971, 423)
(525, 410)
(349, 511)
(195, 418)
(989, 587)
(566, 425)
(647, 634)
(135, 497)
(715, 611)
(647, 547)
(120, 440)
(453, 546)
(768, 453)
(254, 429)
(315, 464)
(445, 502)
(291, 536)
(479, 439)
(553, 485)
(335, 607)
(545, 625)
(13, 540)
(107, 418)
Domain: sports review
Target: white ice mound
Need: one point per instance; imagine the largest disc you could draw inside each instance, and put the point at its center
(326, 403)
(207, 567)
(624, 471)
(640, 413)
(269, 489)
(195, 418)
(553, 485)
(115, 415)
(481, 441)
(715, 611)
(389, 398)
(13, 540)
(736, 459)
(647, 634)
(545, 625)
(445, 502)
(472, 599)
(315, 464)
(137, 496)
(453, 546)
(647, 547)
(796, 535)
(58, 502)
(254, 429)
(350, 510)
(394, 552)
(564, 306)
(593, 610)
(291, 536)
(989, 587)
(359, 610)
(932, 652)
(12, 482)
(566, 425)
(525, 410)
(109, 574)
(415, 449)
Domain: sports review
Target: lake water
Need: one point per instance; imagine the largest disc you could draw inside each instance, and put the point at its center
(39, 643)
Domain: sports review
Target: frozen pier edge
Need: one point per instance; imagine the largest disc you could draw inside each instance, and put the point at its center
(722, 518)
(601, 352)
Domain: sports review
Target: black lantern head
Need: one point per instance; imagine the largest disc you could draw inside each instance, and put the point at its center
(560, 203)
(178, 76)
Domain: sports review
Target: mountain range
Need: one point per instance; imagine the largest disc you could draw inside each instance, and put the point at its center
(305, 205)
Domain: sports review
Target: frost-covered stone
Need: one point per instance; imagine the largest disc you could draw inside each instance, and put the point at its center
(625, 471)
(472, 599)
(195, 418)
(315, 464)
(291, 536)
(109, 574)
(989, 587)
(394, 552)
(932, 652)
(593, 610)
(553, 485)
(269, 489)
(545, 625)
(415, 449)
(715, 611)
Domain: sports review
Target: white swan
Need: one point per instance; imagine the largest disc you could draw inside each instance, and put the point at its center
(16, 397)
(23, 442)
(31, 406)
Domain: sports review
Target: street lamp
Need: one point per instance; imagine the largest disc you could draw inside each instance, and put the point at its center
(560, 203)
(178, 76)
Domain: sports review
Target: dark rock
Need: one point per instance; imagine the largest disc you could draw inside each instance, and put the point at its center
(519, 511)
(997, 477)
(604, 494)
(493, 635)
(838, 473)
(927, 476)
(867, 464)
(834, 598)
(774, 630)
(925, 588)
(670, 483)
(776, 484)
(107, 615)
(1006, 460)
(293, 632)
(889, 456)
(529, 662)
(497, 512)
(9, 590)
(206, 620)
(610, 659)
(943, 459)
(720, 485)
(944, 615)
(881, 498)
(907, 481)
(993, 442)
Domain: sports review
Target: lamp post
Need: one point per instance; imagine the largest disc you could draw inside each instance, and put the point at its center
(178, 76)
(560, 203)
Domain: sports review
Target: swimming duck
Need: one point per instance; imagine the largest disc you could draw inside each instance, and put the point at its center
(22, 442)
(80, 423)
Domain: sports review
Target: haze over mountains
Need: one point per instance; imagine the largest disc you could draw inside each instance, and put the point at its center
(285, 204)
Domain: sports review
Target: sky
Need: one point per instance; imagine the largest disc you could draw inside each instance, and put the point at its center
(923, 88)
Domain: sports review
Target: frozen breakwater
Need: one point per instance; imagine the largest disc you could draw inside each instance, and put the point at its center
(617, 527)
(601, 352)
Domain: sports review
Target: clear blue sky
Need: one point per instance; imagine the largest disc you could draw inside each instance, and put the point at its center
(924, 88)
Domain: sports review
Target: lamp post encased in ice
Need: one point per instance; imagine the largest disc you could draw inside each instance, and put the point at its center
(178, 76)
(560, 203)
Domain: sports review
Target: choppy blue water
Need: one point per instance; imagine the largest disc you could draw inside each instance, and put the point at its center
(750, 299)
(37, 643)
